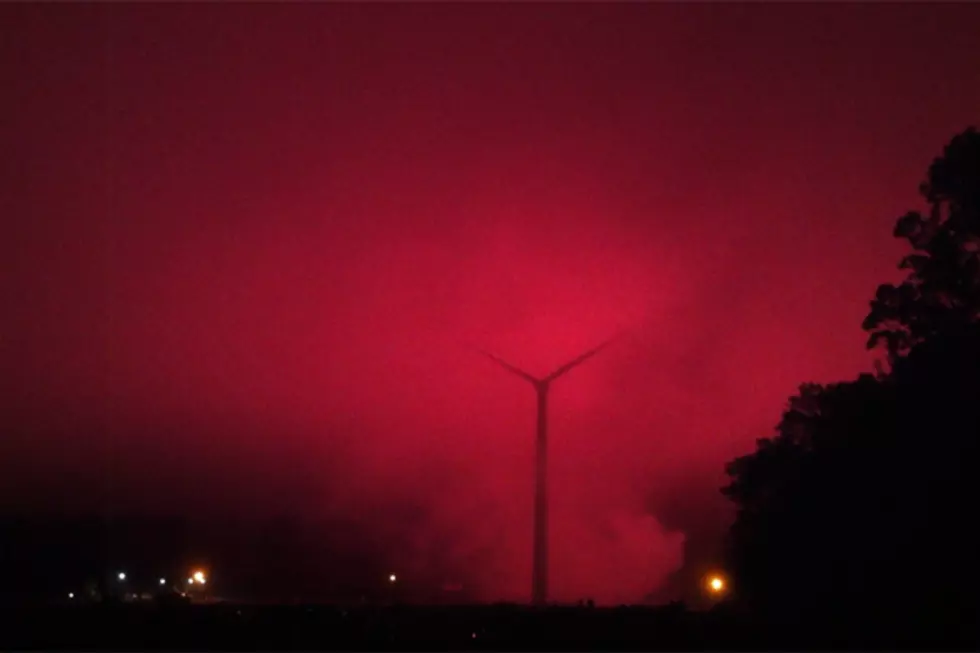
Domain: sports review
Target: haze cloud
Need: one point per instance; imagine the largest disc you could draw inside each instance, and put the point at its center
(248, 261)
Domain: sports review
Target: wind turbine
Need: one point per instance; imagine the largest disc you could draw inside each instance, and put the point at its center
(539, 574)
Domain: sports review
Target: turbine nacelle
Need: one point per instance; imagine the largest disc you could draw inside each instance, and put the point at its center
(543, 382)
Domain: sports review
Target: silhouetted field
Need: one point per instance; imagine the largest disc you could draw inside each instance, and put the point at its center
(249, 627)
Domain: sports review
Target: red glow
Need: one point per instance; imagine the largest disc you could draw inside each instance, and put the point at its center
(249, 245)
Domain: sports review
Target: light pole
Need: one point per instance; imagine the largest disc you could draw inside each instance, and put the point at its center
(539, 573)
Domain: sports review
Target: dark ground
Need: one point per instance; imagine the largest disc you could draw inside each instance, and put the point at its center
(506, 627)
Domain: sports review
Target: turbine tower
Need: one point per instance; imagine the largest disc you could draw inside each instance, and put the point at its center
(539, 574)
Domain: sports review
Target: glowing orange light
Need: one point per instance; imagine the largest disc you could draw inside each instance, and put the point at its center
(716, 584)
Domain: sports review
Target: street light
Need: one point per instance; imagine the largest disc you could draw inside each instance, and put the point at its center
(121, 576)
(392, 578)
(163, 581)
(716, 584)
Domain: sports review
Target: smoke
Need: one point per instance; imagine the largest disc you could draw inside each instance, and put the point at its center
(271, 365)
(245, 286)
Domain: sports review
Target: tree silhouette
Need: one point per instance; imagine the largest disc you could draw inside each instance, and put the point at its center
(858, 512)
(942, 288)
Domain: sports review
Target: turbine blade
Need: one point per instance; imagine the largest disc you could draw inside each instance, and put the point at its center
(510, 368)
(564, 369)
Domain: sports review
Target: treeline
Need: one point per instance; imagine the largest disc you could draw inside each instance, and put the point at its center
(859, 512)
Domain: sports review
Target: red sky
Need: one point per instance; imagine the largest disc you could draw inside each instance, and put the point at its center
(244, 248)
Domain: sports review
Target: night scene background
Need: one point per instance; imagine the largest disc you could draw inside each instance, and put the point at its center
(250, 252)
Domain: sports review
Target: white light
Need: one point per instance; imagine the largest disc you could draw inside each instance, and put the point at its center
(121, 575)
(163, 581)
(71, 595)
(199, 577)
(190, 581)
(392, 578)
